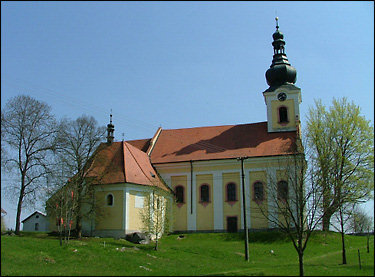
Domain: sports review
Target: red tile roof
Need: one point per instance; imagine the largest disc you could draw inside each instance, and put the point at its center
(141, 144)
(121, 162)
(126, 161)
(221, 142)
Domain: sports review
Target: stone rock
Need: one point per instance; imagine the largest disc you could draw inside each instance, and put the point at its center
(146, 268)
(138, 237)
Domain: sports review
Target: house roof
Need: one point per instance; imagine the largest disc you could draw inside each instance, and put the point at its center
(221, 142)
(121, 162)
(141, 144)
(36, 212)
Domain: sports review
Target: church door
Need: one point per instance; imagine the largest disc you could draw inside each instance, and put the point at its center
(232, 224)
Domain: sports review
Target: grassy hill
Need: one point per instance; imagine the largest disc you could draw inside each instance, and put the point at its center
(212, 254)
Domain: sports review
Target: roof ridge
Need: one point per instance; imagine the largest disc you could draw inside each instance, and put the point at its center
(137, 139)
(36, 211)
(215, 126)
(154, 141)
(123, 157)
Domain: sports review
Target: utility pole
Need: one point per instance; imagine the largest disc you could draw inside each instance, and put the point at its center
(244, 209)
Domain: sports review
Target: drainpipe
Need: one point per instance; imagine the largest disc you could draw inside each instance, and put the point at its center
(191, 187)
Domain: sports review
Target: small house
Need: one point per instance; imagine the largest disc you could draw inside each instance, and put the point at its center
(36, 222)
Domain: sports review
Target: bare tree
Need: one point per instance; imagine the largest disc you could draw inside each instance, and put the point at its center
(4, 152)
(62, 200)
(294, 199)
(29, 130)
(78, 141)
(360, 221)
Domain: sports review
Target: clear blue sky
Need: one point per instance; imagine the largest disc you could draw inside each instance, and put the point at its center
(180, 64)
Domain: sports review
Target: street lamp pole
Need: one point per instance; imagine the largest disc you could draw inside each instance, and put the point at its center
(244, 209)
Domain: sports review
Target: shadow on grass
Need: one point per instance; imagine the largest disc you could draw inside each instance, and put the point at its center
(263, 237)
(237, 273)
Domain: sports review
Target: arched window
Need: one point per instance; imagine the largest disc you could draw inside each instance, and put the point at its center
(109, 200)
(258, 191)
(179, 194)
(205, 193)
(283, 114)
(231, 192)
(282, 190)
(36, 226)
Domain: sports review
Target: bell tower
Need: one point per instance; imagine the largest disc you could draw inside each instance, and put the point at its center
(110, 130)
(282, 97)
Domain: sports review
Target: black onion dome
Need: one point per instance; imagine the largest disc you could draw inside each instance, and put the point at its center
(278, 35)
(280, 71)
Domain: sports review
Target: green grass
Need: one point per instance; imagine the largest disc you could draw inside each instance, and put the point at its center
(212, 254)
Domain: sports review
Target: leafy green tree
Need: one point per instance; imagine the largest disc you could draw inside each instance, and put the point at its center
(342, 142)
(155, 214)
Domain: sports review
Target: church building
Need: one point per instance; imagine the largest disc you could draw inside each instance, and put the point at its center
(209, 174)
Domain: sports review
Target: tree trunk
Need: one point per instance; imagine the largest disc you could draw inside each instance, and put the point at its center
(300, 258)
(60, 235)
(79, 226)
(18, 216)
(78, 218)
(343, 247)
(156, 245)
(342, 236)
(19, 209)
(326, 220)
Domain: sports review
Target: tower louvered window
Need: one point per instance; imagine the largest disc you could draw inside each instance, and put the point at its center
(283, 115)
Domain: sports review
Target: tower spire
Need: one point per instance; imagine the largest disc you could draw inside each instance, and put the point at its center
(280, 71)
(110, 130)
(277, 23)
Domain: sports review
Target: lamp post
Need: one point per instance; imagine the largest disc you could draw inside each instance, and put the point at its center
(244, 209)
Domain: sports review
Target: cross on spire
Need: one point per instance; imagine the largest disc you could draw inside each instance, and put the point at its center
(277, 22)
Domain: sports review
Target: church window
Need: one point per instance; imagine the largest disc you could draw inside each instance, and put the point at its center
(109, 200)
(139, 201)
(258, 191)
(282, 190)
(231, 192)
(179, 194)
(283, 115)
(205, 193)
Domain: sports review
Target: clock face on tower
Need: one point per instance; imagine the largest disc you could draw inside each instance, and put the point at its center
(281, 96)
